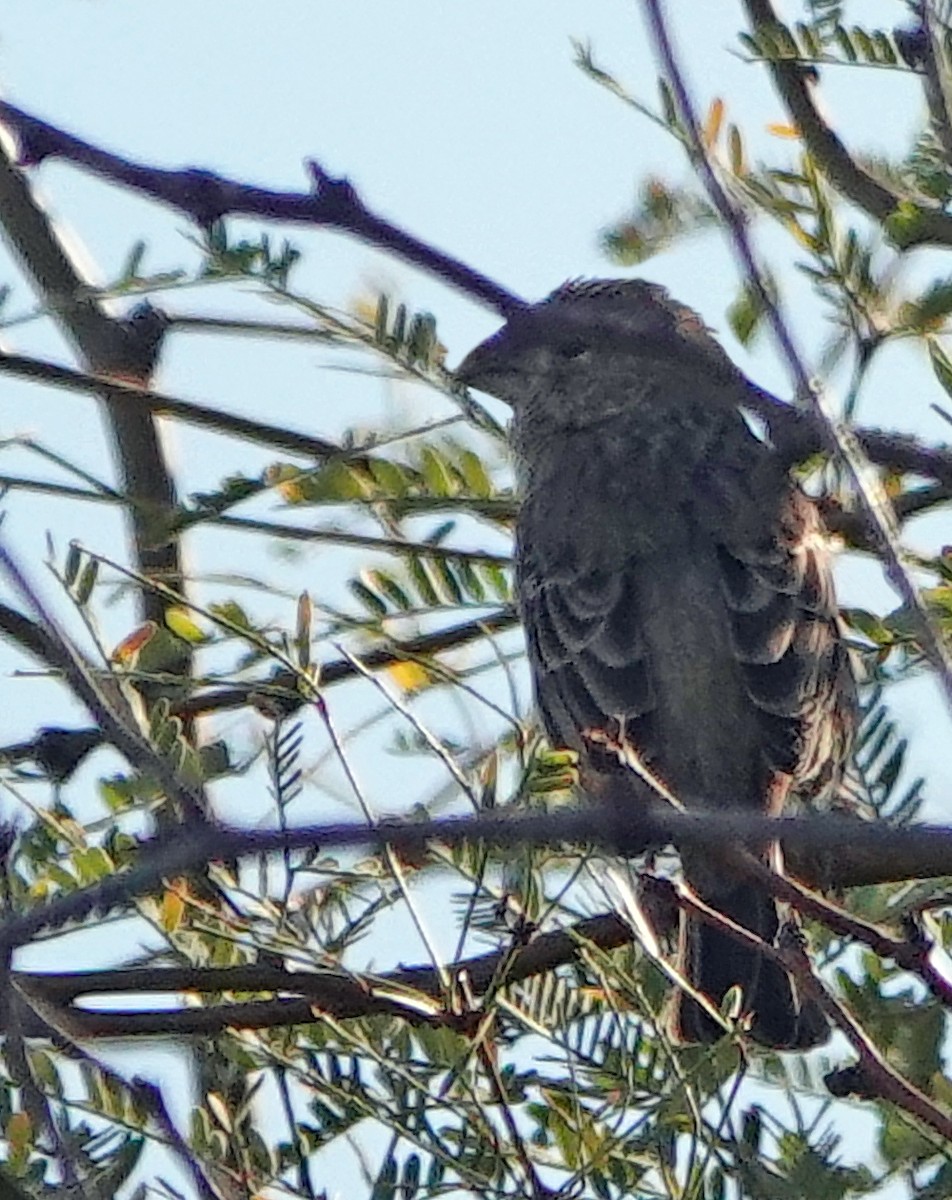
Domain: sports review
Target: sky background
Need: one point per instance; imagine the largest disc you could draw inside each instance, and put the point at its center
(469, 125)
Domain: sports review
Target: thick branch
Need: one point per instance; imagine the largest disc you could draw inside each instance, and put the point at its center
(863, 853)
(107, 347)
(298, 994)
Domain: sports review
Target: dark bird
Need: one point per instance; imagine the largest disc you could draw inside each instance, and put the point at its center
(677, 599)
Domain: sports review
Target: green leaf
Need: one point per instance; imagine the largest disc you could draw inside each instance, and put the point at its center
(662, 214)
(474, 472)
(420, 574)
(869, 625)
(930, 309)
(437, 472)
(368, 597)
(442, 569)
(885, 50)
(130, 268)
(399, 331)
(735, 150)
(864, 43)
(410, 1182)
(337, 481)
(392, 479)
(86, 582)
(74, 557)
(809, 42)
(751, 45)
(381, 318)
(498, 581)
(180, 622)
(941, 364)
(386, 585)
(903, 226)
(669, 110)
(470, 580)
(746, 314)
(845, 43)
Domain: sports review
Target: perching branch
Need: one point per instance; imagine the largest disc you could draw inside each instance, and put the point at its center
(864, 852)
(859, 850)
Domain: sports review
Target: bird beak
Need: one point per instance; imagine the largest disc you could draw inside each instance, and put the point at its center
(477, 367)
(483, 366)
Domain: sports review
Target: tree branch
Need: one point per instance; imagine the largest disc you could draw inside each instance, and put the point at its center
(158, 404)
(205, 197)
(108, 347)
(886, 1082)
(931, 226)
(341, 669)
(864, 852)
(299, 994)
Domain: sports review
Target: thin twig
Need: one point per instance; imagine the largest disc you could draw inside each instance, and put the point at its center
(159, 404)
(390, 857)
(117, 730)
(398, 705)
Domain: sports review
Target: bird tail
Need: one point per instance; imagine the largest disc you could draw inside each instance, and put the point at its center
(713, 962)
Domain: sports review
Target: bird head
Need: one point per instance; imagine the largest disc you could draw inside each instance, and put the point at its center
(620, 324)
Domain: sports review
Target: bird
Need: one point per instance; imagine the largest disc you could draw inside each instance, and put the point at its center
(675, 586)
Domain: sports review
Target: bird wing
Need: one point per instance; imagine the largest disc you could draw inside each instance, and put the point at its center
(589, 658)
(598, 661)
(786, 633)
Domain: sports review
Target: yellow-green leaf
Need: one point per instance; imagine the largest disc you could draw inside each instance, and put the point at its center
(181, 623)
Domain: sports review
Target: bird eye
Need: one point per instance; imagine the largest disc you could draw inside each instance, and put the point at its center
(576, 351)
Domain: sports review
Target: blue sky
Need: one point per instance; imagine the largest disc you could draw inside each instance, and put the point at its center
(467, 124)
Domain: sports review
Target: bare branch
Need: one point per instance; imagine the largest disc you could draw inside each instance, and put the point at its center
(157, 404)
(205, 197)
(108, 347)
